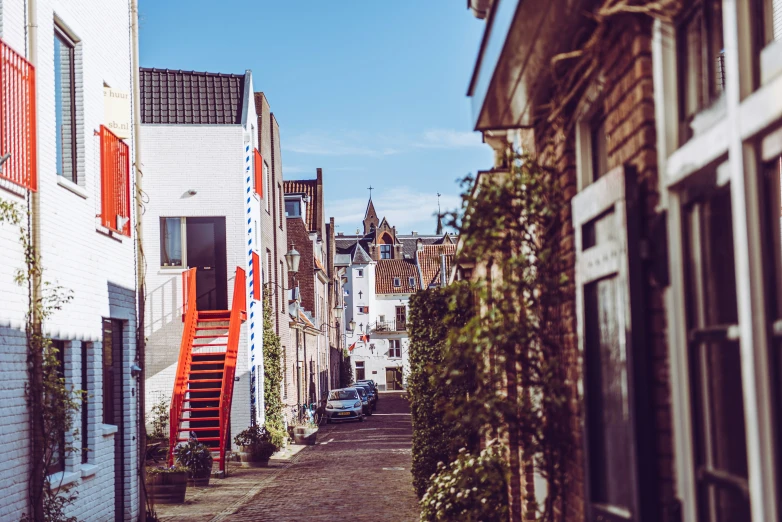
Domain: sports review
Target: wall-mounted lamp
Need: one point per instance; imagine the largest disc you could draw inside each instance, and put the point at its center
(135, 371)
(352, 325)
(293, 258)
(191, 192)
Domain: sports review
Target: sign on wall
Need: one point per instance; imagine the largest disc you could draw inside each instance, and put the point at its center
(116, 111)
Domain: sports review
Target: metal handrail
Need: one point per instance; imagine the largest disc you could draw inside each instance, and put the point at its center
(190, 314)
(238, 314)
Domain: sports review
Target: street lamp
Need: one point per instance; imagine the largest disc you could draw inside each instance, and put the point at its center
(292, 258)
(352, 325)
(338, 312)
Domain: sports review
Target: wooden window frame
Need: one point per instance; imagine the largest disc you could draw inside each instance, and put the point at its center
(183, 241)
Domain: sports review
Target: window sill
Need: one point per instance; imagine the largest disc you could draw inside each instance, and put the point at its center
(710, 116)
(770, 61)
(109, 429)
(71, 186)
(88, 470)
(63, 478)
(110, 234)
(173, 268)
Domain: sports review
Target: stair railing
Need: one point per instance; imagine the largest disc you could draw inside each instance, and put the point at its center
(238, 315)
(190, 315)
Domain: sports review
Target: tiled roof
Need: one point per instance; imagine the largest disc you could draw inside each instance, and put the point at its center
(388, 269)
(308, 187)
(189, 97)
(429, 259)
(361, 257)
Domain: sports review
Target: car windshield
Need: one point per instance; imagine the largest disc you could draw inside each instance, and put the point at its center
(343, 395)
(362, 392)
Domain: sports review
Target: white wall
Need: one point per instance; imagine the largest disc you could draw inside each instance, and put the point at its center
(211, 160)
(76, 254)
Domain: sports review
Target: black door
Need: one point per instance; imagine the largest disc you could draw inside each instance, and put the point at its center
(114, 405)
(206, 252)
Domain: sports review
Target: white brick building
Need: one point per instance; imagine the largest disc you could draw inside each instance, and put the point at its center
(77, 47)
(203, 211)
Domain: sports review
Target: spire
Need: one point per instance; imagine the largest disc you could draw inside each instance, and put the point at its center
(370, 216)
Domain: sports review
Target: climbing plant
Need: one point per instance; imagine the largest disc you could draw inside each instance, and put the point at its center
(512, 352)
(436, 438)
(52, 405)
(272, 370)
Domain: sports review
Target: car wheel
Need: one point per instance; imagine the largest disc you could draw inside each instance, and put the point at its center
(361, 419)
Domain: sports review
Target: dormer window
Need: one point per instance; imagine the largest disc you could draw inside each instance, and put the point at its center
(293, 207)
(411, 282)
(397, 282)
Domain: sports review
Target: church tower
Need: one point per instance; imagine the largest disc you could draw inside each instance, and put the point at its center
(370, 218)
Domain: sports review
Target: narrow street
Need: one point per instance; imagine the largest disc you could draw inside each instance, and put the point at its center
(358, 471)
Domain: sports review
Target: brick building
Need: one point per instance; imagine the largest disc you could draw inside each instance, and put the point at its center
(74, 175)
(670, 160)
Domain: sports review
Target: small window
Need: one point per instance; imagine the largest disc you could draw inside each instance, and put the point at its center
(85, 404)
(292, 208)
(360, 375)
(385, 251)
(397, 282)
(411, 282)
(363, 309)
(171, 242)
(360, 272)
(65, 105)
(282, 204)
(267, 182)
(395, 349)
(598, 142)
(57, 462)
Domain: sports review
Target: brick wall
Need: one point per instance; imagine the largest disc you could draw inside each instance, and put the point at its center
(305, 279)
(75, 252)
(628, 106)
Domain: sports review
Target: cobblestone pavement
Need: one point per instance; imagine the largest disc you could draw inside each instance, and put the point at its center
(358, 471)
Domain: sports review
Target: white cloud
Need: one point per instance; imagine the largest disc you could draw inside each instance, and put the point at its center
(326, 145)
(404, 208)
(449, 139)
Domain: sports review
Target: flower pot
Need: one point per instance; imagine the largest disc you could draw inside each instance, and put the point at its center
(305, 435)
(199, 479)
(168, 488)
(251, 459)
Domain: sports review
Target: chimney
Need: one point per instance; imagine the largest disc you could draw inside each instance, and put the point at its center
(320, 226)
(415, 233)
(443, 276)
(419, 244)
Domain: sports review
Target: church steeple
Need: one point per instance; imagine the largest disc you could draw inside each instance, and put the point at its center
(370, 216)
(439, 217)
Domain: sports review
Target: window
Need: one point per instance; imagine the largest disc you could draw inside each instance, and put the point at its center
(411, 282)
(282, 204)
(394, 349)
(283, 284)
(397, 282)
(293, 208)
(385, 251)
(57, 462)
(401, 317)
(85, 405)
(65, 105)
(112, 345)
(284, 373)
(360, 375)
(701, 61)
(360, 272)
(715, 360)
(171, 244)
(268, 182)
(598, 142)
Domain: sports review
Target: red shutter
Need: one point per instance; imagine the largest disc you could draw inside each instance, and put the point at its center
(115, 183)
(256, 276)
(17, 118)
(258, 166)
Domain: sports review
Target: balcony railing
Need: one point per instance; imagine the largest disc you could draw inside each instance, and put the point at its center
(17, 119)
(115, 182)
(388, 326)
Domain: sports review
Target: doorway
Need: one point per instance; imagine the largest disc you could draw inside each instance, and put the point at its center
(114, 405)
(206, 253)
(394, 379)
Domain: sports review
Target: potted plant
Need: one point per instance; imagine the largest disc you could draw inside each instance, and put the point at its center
(256, 445)
(197, 458)
(167, 485)
(157, 437)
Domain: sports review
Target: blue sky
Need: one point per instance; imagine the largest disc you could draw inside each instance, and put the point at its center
(371, 91)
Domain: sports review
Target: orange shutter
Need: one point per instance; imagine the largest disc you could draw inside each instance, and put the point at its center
(17, 118)
(256, 276)
(258, 166)
(115, 183)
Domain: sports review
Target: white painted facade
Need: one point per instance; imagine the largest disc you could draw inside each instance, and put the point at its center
(98, 270)
(202, 171)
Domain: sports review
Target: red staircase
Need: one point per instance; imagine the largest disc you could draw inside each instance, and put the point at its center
(203, 388)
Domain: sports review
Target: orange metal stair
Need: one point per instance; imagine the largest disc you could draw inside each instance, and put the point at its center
(203, 388)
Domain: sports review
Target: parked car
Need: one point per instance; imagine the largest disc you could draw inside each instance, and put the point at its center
(344, 404)
(365, 399)
(371, 383)
(371, 395)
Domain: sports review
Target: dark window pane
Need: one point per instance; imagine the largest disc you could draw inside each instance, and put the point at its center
(720, 504)
(65, 107)
(610, 456)
(292, 209)
(85, 407)
(57, 462)
(599, 141)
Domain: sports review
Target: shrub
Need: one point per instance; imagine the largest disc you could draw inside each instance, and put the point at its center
(470, 489)
(194, 456)
(258, 440)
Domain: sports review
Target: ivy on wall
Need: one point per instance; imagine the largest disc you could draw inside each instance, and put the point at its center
(272, 371)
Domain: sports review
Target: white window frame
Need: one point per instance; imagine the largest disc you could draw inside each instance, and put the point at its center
(590, 106)
(397, 282)
(359, 272)
(749, 116)
(394, 348)
(302, 210)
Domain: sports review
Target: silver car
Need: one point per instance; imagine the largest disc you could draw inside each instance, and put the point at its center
(344, 404)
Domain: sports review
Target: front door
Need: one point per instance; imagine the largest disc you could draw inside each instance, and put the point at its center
(114, 405)
(393, 378)
(206, 253)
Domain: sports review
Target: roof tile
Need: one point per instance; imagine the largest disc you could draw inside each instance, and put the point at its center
(388, 269)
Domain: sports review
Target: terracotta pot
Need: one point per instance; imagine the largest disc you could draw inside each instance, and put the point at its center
(168, 488)
(200, 479)
(305, 435)
(250, 460)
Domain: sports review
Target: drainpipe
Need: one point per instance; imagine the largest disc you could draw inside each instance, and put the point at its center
(141, 436)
